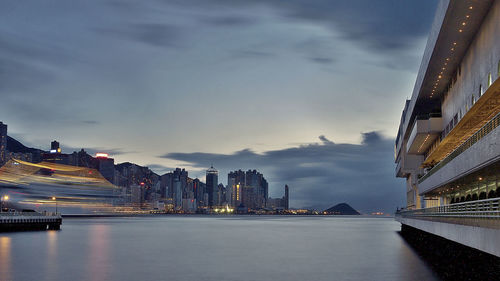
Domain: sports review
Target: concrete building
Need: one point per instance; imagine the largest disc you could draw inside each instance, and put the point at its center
(3, 143)
(447, 145)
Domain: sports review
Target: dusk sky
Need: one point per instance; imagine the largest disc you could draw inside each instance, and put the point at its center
(308, 92)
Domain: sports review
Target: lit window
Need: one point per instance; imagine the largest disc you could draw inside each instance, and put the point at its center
(489, 80)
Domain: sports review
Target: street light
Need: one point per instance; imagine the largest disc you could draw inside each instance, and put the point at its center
(54, 198)
(4, 199)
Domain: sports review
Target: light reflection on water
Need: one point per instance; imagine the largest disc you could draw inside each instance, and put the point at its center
(5, 265)
(213, 248)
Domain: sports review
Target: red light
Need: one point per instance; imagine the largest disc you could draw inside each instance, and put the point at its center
(142, 183)
(90, 172)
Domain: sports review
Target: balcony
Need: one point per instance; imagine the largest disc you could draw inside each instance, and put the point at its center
(407, 164)
(487, 107)
(425, 131)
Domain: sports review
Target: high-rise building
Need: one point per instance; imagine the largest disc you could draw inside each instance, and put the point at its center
(3, 143)
(286, 198)
(212, 179)
(106, 166)
(180, 175)
(249, 188)
(177, 187)
(236, 182)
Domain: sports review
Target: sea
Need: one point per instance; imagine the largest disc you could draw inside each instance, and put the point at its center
(233, 248)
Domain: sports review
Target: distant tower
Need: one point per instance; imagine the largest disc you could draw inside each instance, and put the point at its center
(286, 197)
(212, 180)
(54, 147)
(3, 143)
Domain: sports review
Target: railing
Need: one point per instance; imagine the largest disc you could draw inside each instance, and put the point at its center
(29, 214)
(488, 208)
(487, 128)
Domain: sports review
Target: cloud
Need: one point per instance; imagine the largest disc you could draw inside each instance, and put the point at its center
(153, 34)
(322, 60)
(325, 140)
(229, 21)
(252, 54)
(90, 122)
(382, 26)
(320, 174)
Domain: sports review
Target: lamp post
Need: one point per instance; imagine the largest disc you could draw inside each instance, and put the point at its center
(4, 199)
(55, 200)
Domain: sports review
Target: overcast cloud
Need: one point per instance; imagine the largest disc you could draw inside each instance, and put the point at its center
(142, 78)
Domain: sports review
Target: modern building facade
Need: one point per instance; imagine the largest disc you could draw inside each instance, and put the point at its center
(447, 145)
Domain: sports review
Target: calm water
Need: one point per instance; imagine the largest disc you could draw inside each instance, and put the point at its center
(213, 248)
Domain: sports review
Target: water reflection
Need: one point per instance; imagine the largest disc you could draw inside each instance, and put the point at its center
(98, 258)
(213, 248)
(52, 263)
(5, 258)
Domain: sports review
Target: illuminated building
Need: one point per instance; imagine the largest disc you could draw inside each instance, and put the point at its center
(212, 180)
(447, 145)
(3, 143)
(106, 166)
(255, 191)
(236, 181)
(54, 147)
(249, 188)
(55, 155)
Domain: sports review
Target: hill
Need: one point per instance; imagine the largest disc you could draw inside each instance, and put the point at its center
(342, 209)
(15, 146)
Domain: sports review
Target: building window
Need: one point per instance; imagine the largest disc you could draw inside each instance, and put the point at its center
(489, 80)
(472, 100)
(498, 72)
(481, 91)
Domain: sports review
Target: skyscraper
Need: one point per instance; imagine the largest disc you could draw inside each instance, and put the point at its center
(212, 179)
(249, 188)
(3, 143)
(235, 182)
(286, 197)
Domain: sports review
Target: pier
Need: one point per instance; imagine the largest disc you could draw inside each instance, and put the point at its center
(26, 221)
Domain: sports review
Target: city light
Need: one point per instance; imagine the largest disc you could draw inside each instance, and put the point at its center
(101, 155)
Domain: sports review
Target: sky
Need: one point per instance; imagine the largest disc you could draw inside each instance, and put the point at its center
(309, 92)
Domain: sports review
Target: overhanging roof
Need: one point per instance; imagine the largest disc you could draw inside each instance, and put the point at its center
(455, 25)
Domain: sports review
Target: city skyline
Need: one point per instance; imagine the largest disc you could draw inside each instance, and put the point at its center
(172, 84)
